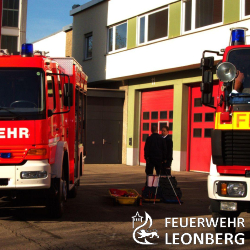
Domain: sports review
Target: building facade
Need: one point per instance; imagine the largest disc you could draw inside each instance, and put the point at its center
(58, 44)
(13, 24)
(152, 51)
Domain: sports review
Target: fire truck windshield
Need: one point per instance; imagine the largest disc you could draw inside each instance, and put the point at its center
(22, 93)
(241, 59)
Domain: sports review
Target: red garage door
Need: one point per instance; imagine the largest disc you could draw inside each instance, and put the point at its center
(201, 125)
(156, 109)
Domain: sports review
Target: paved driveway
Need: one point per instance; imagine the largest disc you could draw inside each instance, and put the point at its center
(91, 221)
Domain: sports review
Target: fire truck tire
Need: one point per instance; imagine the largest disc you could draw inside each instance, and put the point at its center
(73, 192)
(58, 197)
(228, 229)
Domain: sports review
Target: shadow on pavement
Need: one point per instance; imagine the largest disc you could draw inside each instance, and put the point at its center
(93, 203)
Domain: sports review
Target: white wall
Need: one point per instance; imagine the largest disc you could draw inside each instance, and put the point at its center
(173, 54)
(55, 44)
(119, 10)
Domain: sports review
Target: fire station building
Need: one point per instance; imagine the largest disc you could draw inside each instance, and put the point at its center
(13, 16)
(146, 56)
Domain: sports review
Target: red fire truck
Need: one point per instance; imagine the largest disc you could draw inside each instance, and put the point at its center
(42, 126)
(229, 178)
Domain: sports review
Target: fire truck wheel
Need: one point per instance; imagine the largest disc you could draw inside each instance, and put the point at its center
(225, 229)
(73, 192)
(58, 197)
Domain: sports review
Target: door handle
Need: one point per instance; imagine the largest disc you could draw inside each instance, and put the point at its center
(103, 141)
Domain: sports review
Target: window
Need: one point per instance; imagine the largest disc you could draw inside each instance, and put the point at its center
(198, 117)
(142, 30)
(171, 114)
(208, 132)
(144, 137)
(246, 7)
(9, 43)
(145, 115)
(197, 102)
(51, 92)
(153, 26)
(154, 115)
(117, 37)
(241, 59)
(209, 117)
(158, 25)
(110, 48)
(197, 132)
(10, 13)
(22, 91)
(59, 89)
(121, 36)
(170, 126)
(88, 46)
(163, 114)
(145, 126)
(201, 13)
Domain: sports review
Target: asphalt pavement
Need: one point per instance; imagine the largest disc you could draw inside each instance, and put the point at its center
(92, 221)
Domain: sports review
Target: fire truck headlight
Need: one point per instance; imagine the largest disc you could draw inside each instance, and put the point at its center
(232, 189)
(34, 174)
(236, 189)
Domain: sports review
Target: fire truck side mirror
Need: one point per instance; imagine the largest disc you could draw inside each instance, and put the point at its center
(207, 64)
(68, 95)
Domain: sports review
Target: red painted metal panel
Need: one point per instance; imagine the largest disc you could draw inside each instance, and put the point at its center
(158, 103)
(240, 170)
(201, 123)
(189, 125)
(1, 11)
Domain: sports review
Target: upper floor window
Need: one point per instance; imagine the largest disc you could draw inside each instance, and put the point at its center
(88, 46)
(10, 13)
(153, 26)
(9, 43)
(201, 13)
(246, 7)
(117, 37)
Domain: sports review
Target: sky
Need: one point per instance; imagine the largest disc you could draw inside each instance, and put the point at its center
(46, 17)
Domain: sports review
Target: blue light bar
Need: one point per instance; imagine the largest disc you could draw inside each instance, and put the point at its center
(238, 36)
(27, 50)
(5, 155)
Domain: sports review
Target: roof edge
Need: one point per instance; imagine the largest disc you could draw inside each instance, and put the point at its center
(85, 6)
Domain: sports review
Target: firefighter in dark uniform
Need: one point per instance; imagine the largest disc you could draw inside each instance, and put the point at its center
(166, 166)
(154, 152)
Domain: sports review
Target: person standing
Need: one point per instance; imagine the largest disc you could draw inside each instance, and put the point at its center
(166, 166)
(154, 152)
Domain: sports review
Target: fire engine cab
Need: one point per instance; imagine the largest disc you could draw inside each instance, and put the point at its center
(42, 126)
(229, 178)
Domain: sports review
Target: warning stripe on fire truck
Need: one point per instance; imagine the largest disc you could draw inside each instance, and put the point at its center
(240, 120)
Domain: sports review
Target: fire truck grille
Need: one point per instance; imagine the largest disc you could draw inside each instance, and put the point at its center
(236, 147)
(16, 156)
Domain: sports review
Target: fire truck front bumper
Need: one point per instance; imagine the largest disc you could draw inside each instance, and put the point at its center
(31, 175)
